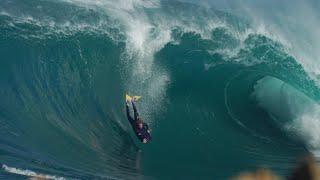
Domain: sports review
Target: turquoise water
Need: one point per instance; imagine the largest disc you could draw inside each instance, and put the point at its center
(220, 95)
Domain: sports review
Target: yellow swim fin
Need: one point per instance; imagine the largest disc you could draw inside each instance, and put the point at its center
(136, 98)
(130, 98)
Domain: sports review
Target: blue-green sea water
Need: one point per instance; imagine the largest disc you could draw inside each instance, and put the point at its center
(227, 87)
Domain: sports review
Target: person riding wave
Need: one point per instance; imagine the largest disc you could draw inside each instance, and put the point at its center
(140, 128)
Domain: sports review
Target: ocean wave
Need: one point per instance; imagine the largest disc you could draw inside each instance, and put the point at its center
(212, 83)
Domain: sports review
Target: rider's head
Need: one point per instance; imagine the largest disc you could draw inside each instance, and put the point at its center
(140, 125)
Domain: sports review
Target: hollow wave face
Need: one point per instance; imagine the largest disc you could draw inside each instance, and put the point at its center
(220, 94)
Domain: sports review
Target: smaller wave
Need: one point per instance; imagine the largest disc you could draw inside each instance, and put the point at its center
(30, 173)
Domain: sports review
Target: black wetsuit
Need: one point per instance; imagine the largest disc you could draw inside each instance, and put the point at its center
(142, 133)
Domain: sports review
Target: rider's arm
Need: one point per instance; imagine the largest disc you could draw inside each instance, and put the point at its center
(147, 127)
